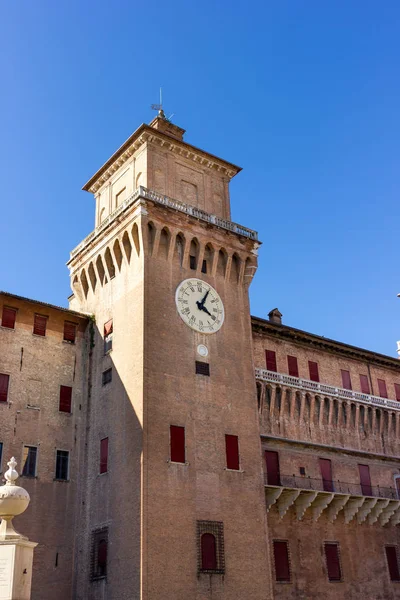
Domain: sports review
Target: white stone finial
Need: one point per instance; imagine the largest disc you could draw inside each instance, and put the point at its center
(14, 501)
(11, 475)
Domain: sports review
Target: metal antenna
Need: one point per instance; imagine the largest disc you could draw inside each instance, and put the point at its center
(159, 107)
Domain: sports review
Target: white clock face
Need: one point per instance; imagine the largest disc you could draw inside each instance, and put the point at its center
(199, 305)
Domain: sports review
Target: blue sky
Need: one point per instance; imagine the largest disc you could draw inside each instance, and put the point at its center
(304, 96)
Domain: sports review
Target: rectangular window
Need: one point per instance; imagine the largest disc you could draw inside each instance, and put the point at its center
(120, 197)
(62, 465)
(104, 455)
(365, 480)
(281, 560)
(69, 332)
(204, 266)
(293, 366)
(108, 336)
(325, 466)
(392, 562)
(4, 383)
(364, 382)
(99, 553)
(107, 376)
(270, 358)
(177, 443)
(1, 453)
(65, 399)
(333, 561)
(232, 452)
(192, 262)
(202, 368)
(313, 369)
(8, 317)
(382, 388)
(29, 458)
(39, 325)
(210, 547)
(272, 463)
(346, 380)
(397, 391)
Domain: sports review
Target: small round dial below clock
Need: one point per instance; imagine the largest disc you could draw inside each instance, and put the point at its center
(199, 305)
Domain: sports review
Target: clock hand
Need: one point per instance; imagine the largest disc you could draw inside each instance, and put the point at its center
(205, 310)
(205, 297)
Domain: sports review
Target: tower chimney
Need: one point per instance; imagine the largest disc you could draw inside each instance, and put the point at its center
(275, 316)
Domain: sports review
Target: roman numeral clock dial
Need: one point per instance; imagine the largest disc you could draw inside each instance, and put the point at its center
(199, 305)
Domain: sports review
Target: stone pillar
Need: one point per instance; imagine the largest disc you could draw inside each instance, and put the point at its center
(16, 551)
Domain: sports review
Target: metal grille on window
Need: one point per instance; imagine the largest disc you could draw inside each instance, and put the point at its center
(210, 547)
(98, 558)
(62, 464)
(202, 368)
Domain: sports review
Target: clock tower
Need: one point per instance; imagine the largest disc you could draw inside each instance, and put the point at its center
(171, 504)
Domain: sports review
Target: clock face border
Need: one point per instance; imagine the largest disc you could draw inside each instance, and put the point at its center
(195, 281)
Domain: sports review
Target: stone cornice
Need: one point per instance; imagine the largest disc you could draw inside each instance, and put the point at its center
(145, 133)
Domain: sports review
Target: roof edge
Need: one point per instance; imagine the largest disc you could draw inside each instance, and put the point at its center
(53, 306)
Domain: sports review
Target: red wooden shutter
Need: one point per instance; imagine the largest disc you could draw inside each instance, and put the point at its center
(393, 564)
(4, 381)
(365, 480)
(272, 462)
(364, 381)
(325, 466)
(108, 327)
(293, 366)
(281, 558)
(104, 455)
(346, 379)
(208, 552)
(65, 398)
(382, 388)
(271, 360)
(232, 452)
(39, 327)
(177, 442)
(8, 317)
(397, 390)
(69, 332)
(313, 368)
(332, 562)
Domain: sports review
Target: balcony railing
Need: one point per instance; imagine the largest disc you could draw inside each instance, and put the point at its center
(321, 388)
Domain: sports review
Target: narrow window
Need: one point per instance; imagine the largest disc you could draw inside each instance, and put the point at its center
(313, 369)
(39, 325)
(210, 549)
(29, 458)
(104, 455)
(208, 552)
(65, 399)
(346, 379)
(365, 480)
(272, 463)
(397, 391)
(120, 197)
(108, 336)
(192, 261)
(8, 317)
(397, 482)
(281, 560)
(107, 376)
(325, 466)
(382, 388)
(293, 366)
(202, 368)
(204, 266)
(4, 383)
(270, 357)
(62, 465)
(99, 553)
(177, 443)
(232, 452)
(69, 332)
(364, 382)
(332, 561)
(392, 562)
(1, 454)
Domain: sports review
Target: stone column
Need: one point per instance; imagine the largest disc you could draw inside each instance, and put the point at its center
(16, 551)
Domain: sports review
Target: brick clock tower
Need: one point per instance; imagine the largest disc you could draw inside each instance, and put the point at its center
(172, 500)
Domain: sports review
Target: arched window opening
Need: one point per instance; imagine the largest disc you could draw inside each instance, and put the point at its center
(317, 409)
(208, 552)
(135, 236)
(193, 254)
(235, 269)
(222, 260)
(179, 248)
(353, 414)
(164, 243)
(127, 246)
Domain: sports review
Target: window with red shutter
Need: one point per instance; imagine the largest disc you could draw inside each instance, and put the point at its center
(397, 391)
(8, 317)
(104, 455)
(232, 452)
(271, 360)
(39, 326)
(177, 444)
(365, 480)
(293, 366)
(99, 553)
(313, 369)
(65, 399)
(346, 379)
(4, 383)
(272, 463)
(208, 552)
(392, 562)
(333, 562)
(69, 332)
(210, 547)
(108, 335)
(281, 559)
(325, 466)
(382, 388)
(364, 382)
